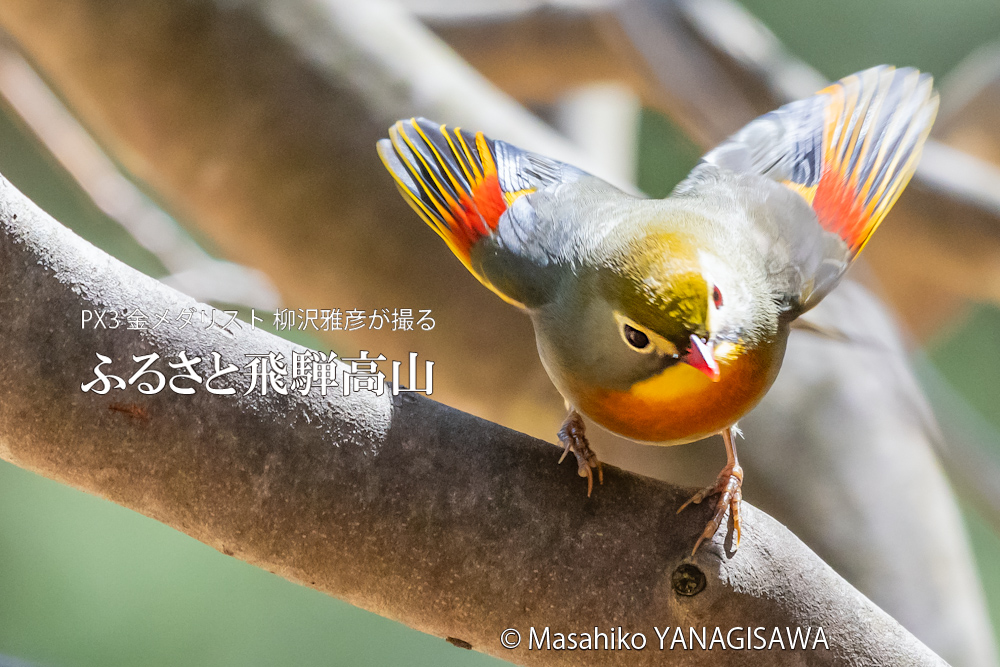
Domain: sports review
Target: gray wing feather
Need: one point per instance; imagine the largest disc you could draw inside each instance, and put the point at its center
(542, 234)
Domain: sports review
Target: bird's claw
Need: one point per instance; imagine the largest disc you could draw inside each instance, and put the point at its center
(574, 439)
(728, 486)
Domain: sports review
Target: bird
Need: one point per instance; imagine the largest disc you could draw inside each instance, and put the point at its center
(665, 320)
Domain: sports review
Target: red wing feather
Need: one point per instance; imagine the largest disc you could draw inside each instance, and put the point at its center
(875, 123)
(449, 177)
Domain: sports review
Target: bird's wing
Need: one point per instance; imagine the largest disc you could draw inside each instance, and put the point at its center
(848, 151)
(473, 191)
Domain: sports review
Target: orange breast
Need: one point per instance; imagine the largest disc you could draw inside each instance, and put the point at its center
(681, 404)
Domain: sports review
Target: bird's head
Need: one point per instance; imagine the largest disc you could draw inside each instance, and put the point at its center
(647, 306)
(678, 302)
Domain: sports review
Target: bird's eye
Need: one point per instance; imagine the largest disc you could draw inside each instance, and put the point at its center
(717, 296)
(635, 338)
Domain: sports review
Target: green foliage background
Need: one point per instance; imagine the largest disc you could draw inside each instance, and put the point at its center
(84, 582)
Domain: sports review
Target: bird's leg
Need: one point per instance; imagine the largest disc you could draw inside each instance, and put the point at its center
(572, 436)
(728, 485)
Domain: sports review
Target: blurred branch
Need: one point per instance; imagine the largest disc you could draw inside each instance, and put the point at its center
(192, 270)
(492, 10)
(969, 98)
(843, 446)
(7, 661)
(967, 454)
(969, 115)
(540, 55)
(453, 525)
(603, 119)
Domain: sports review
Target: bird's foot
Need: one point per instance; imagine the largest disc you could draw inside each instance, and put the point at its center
(728, 485)
(574, 439)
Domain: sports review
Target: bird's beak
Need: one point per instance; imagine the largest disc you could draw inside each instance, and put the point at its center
(702, 357)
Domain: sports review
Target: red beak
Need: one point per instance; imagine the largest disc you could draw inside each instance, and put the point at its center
(702, 357)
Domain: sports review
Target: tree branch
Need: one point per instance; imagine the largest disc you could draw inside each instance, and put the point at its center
(453, 525)
(192, 270)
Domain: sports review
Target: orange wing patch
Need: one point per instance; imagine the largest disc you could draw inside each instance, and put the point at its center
(449, 177)
(875, 125)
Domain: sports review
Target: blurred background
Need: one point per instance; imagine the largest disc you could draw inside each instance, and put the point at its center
(85, 582)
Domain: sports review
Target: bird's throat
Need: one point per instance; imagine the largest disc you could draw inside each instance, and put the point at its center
(680, 404)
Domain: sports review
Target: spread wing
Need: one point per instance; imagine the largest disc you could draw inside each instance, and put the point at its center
(848, 151)
(477, 194)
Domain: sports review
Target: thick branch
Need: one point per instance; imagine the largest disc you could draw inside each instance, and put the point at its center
(453, 525)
